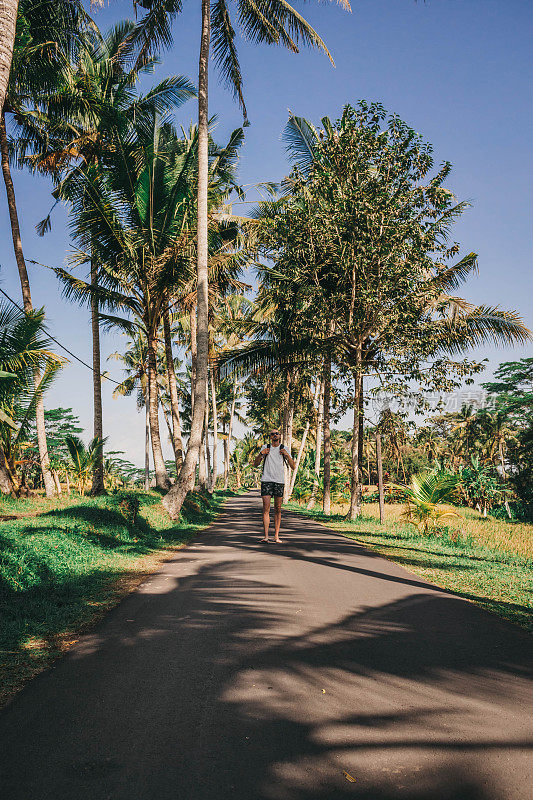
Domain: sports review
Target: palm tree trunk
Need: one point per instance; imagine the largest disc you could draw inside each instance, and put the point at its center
(8, 24)
(502, 460)
(326, 502)
(227, 443)
(98, 486)
(201, 464)
(67, 481)
(206, 442)
(215, 433)
(161, 475)
(174, 499)
(147, 441)
(193, 334)
(44, 459)
(225, 449)
(177, 442)
(56, 481)
(318, 442)
(6, 482)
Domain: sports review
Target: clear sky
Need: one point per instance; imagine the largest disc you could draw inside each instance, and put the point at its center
(458, 71)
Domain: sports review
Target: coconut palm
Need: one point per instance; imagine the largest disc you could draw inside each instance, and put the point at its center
(84, 459)
(24, 349)
(261, 22)
(426, 496)
(98, 101)
(45, 35)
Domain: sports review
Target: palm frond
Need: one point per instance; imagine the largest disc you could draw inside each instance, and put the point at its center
(301, 140)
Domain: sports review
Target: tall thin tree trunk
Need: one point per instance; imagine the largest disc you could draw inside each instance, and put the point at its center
(288, 446)
(230, 431)
(361, 443)
(301, 451)
(8, 24)
(7, 485)
(379, 465)
(355, 477)
(44, 459)
(318, 441)
(177, 442)
(162, 480)
(202, 477)
(326, 502)
(98, 486)
(214, 470)
(174, 499)
(225, 450)
(56, 481)
(147, 438)
(193, 334)
(206, 441)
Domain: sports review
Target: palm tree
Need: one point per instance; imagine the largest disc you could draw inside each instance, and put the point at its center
(98, 101)
(24, 349)
(264, 21)
(134, 360)
(84, 458)
(135, 212)
(425, 497)
(44, 38)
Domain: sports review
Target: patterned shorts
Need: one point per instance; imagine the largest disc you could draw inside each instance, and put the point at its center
(272, 489)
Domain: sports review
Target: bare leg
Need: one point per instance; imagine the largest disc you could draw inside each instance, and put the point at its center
(277, 517)
(266, 515)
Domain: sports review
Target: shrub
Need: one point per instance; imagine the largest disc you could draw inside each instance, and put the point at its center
(129, 507)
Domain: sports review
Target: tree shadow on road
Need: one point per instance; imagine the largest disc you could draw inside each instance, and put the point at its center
(210, 686)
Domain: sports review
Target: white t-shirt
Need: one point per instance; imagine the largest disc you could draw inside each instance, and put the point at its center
(273, 469)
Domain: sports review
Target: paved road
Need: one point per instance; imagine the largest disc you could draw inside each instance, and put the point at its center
(262, 672)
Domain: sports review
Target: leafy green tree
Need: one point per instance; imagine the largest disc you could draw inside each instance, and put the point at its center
(511, 397)
(360, 242)
(481, 485)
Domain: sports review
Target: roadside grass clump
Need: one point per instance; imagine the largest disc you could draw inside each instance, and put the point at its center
(65, 562)
(484, 560)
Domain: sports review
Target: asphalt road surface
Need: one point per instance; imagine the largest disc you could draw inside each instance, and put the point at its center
(312, 670)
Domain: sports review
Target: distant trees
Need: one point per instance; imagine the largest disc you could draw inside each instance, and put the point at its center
(24, 351)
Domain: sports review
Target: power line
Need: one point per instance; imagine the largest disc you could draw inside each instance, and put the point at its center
(62, 346)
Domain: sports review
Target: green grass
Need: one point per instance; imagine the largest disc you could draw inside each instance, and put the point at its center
(499, 578)
(65, 562)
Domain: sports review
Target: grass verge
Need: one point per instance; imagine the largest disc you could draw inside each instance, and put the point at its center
(498, 577)
(65, 562)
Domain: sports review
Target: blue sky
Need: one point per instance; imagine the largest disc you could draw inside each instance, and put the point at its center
(458, 71)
